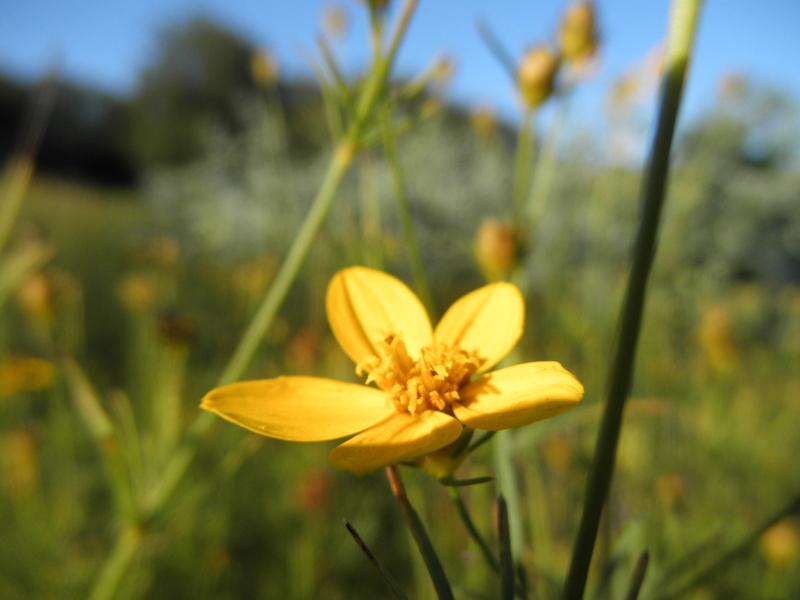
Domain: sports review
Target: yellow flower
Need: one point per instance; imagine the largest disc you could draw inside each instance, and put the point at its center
(425, 389)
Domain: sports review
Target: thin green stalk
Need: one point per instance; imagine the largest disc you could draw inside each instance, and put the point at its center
(682, 30)
(22, 164)
(639, 571)
(387, 577)
(545, 168)
(497, 49)
(117, 563)
(506, 558)
(522, 165)
(432, 562)
(404, 210)
(476, 536)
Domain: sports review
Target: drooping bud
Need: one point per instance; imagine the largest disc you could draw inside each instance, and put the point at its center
(578, 34)
(536, 75)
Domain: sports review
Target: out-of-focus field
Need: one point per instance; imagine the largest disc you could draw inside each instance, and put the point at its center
(108, 348)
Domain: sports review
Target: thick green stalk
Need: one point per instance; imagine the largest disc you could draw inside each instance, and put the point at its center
(403, 208)
(682, 30)
(432, 562)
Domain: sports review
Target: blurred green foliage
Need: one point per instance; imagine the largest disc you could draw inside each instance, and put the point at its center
(151, 289)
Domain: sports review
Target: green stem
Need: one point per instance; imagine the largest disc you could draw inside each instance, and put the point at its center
(476, 536)
(507, 485)
(545, 168)
(506, 558)
(387, 577)
(639, 571)
(404, 210)
(117, 564)
(522, 165)
(12, 192)
(432, 562)
(682, 29)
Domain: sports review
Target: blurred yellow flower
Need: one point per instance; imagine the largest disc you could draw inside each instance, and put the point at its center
(483, 121)
(264, 68)
(497, 248)
(334, 21)
(536, 75)
(425, 392)
(578, 36)
(25, 374)
(780, 543)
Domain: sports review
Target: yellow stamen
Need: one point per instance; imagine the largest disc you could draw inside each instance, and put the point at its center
(429, 383)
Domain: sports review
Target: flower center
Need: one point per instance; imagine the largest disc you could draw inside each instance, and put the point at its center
(429, 383)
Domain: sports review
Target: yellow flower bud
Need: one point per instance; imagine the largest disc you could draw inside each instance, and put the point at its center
(264, 69)
(497, 248)
(334, 21)
(484, 122)
(536, 75)
(578, 33)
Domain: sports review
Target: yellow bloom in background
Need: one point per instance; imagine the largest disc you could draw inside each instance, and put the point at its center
(425, 392)
(578, 35)
(536, 75)
(25, 374)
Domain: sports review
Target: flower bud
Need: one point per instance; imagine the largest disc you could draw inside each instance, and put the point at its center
(484, 122)
(264, 69)
(536, 75)
(578, 33)
(496, 248)
(334, 21)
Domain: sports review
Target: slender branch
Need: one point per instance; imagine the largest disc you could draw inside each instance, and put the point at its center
(387, 577)
(682, 28)
(466, 518)
(497, 49)
(404, 210)
(639, 571)
(432, 562)
(506, 559)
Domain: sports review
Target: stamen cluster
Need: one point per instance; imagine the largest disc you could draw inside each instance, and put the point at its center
(430, 383)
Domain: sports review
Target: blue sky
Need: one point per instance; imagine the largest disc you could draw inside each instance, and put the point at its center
(107, 43)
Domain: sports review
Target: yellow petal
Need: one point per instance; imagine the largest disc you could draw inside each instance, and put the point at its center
(488, 321)
(401, 437)
(517, 396)
(365, 305)
(301, 409)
